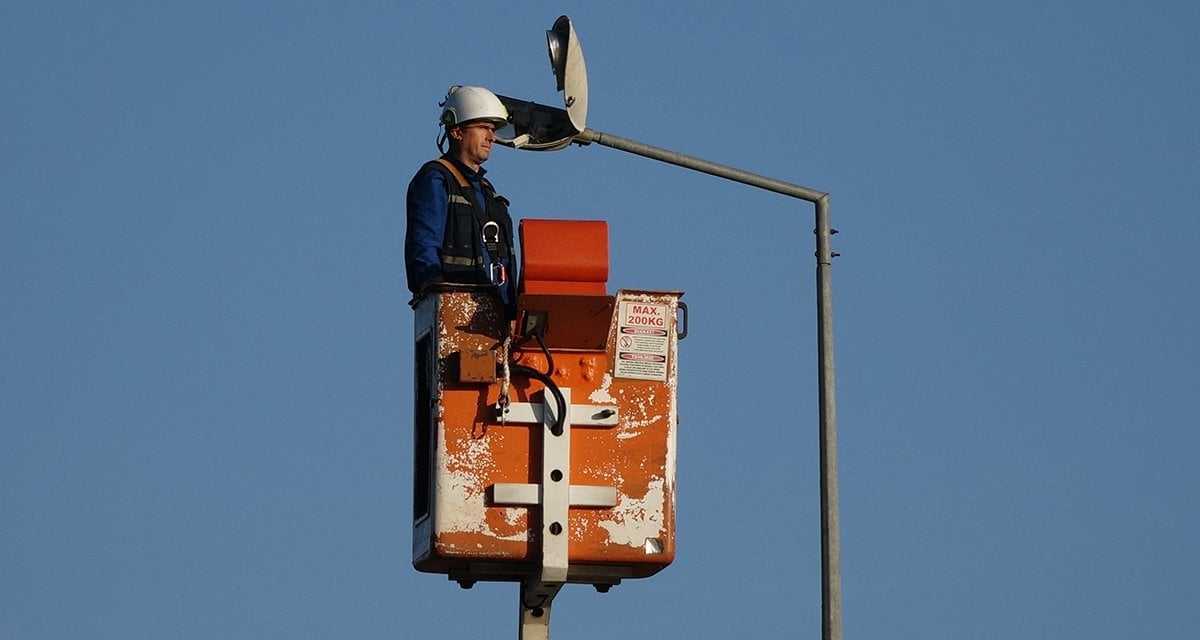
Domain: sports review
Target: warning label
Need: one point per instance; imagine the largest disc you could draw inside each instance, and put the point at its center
(643, 332)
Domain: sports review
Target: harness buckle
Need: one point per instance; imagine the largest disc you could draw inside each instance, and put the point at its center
(493, 229)
(491, 240)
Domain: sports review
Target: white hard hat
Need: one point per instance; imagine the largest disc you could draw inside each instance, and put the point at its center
(464, 104)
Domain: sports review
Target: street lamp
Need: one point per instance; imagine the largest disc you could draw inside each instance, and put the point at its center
(536, 127)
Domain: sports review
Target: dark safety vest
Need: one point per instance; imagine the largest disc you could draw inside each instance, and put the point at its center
(470, 228)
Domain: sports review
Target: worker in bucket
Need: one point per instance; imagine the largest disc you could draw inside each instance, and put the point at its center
(458, 229)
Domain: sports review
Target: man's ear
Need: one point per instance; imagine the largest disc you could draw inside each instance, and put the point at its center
(456, 133)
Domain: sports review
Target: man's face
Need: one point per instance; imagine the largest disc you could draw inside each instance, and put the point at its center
(474, 142)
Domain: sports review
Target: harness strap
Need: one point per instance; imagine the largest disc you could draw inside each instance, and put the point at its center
(462, 180)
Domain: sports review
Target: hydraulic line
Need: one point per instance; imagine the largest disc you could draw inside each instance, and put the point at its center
(537, 335)
(560, 402)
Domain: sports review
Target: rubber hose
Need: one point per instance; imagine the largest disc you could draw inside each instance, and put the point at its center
(559, 400)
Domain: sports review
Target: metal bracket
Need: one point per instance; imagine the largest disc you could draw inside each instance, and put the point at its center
(579, 415)
(535, 620)
(556, 495)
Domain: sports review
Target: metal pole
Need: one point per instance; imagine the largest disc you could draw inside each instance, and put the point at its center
(697, 164)
(831, 551)
(831, 573)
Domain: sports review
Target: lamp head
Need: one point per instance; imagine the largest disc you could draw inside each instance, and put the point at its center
(537, 127)
(570, 72)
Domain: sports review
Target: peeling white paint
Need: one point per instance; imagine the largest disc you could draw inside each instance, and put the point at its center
(477, 455)
(461, 501)
(460, 504)
(634, 520)
(512, 515)
(601, 395)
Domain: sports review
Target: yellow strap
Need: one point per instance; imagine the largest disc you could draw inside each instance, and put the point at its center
(462, 180)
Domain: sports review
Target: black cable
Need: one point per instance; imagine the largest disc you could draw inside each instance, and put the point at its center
(560, 401)
(537, 335)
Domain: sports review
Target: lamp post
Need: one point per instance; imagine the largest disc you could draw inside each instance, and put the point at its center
(541, 128)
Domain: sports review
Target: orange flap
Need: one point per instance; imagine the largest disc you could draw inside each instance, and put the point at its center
(564, 256)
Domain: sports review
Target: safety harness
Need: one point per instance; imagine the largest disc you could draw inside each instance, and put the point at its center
(470, 228)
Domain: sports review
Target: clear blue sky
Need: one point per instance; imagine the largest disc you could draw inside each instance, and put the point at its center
(205, 348)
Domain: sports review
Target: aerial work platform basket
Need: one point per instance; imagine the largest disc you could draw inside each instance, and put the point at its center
(545, 444)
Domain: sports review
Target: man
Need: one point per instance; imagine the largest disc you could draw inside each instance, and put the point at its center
(459, 230)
